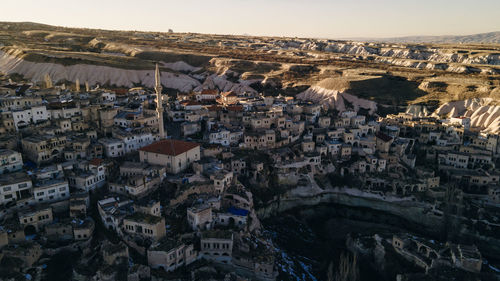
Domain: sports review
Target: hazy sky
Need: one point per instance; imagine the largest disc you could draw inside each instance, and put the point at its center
(313, 18)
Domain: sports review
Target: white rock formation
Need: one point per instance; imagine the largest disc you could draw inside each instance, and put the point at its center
(418, 110)
(337, 100)
(221, 83)
(94, 74)
(484, 113)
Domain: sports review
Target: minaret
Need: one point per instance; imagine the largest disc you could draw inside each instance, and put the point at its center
(48, 81)
(159, 103)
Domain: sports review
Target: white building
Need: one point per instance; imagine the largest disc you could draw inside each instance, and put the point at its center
(170, 255)
(88, 175)
(65, 112)
(109, 211)
(221, 137)
(462, 121)
(28, 116)
(13, 102)
(455, 159)
(107, 97)
(126, 119)
(51, 190)
(50, 185)
(10, 161)
(217, 245)
(15, 187)
(132, 141)
(175, 155)
(200, 217)
(113, 147)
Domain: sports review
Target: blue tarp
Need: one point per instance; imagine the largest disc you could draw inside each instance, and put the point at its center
(30, 237)
(237, 211)
(30, 164)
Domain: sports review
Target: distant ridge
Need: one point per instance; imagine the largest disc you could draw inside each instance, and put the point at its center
(484, 38)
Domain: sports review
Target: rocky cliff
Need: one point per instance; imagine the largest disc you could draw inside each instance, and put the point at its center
(412, 214)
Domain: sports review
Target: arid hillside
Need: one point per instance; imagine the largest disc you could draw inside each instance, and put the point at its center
(391, 75)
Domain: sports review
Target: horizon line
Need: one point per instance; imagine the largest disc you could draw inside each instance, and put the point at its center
(253, 35)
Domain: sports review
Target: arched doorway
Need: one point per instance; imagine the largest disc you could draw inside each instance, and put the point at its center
(29, 230)
(399, 190)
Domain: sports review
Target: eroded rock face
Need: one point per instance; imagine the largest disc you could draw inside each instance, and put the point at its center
(484, 113)
(418, 110)
(221, 83)
(404, 55)
(334, 99)
(94, 74)
(290, 66)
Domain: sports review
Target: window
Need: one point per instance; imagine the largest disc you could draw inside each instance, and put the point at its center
(7, 188)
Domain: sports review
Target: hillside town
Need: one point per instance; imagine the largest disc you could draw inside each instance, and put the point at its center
(147, 184)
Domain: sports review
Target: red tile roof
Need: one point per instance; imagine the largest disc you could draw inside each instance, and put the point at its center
(235, 108)
(228, 94)
(209, 92)
(214, 108)
(190, 102)
(170, 147)
(95, 162)
(120, 91)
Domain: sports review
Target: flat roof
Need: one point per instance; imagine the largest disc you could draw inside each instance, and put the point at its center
(166, 244)
(216, 233)
(143, 218)
(13, 178)
(7, 152)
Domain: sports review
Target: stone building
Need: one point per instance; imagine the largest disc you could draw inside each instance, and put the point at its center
(29, 252)
(169, 254)
(112, 252)
(15, 187)
(10, 161)
(43, 148)
(83, 229)
(145, 226)
(175, 155)
(35, 217)
(200, 217)
(217, 245)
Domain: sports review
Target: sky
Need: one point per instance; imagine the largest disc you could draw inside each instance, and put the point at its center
(301, 18)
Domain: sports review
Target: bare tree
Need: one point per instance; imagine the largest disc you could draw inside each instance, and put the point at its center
(348, 268)
(330, 272)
